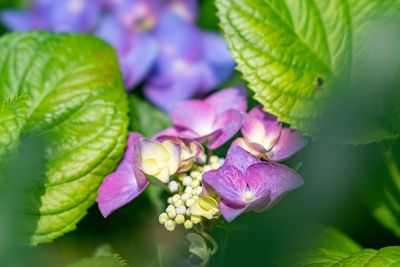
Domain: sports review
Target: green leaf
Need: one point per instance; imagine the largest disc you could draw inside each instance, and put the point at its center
(385, 201)
(101, 261)
(77, 103)
(12, 118)
(296, 55)
(145, 118)
(335, 249)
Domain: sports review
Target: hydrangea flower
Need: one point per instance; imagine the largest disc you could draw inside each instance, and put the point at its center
(244, 183)
(216, 119)
(189, 62)
(263, 136)
(160, 160)
(55, 15)
(125, 183)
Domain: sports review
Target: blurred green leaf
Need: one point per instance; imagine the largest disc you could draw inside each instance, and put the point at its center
(296, 55)
(198, 246)
(335, 249)
(145, 118)
(101, 261)
(77, 103)
(385, 197)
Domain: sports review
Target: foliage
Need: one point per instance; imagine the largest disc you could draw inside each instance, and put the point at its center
(297, 55)
(66, 89)
(336, 249)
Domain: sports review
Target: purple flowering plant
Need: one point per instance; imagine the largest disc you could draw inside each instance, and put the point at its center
(203, 186)
(157, 42)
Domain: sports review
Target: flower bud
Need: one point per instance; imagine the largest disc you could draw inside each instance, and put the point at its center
(189, 202)
(195, 184)
(188, 190)
(175, 198)
(170, 225)
(188, 224)
(215, 166)
(171, 213)
(179, 219)
(195, 219)
(170, 208)
(181, 209)
(163, 218)
(178, 203)
(173, 186)
(213, 159)
(207, 168)
(169, 200)
(195, 174)
(185, 196)
(181, 176)
(198, 190)
(186, 181)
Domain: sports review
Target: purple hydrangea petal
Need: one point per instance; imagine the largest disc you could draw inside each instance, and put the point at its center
(229, 213)
(218, 57)
(231, 98)
(125, 183)
(195, 115)
(290, 141)
(138, 60)
(273, 177)
(258, 113)
(262, 202)
(186, 9)
(166, 88)
(19, 20)
(240, 159)
(111, 31)
(229, 122)
(229, 183)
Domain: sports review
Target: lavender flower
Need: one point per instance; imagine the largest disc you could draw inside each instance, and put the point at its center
(264, 137)
(216, 119)
(244, 183)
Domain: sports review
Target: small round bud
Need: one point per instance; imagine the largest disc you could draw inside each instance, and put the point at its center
(175, 198)
(188, 224)
(170, 225)
(179, 219)
(178, 203)
(207, 168)
(195, 219)
(169, 200)
(173, 186)
(195, 174)
(221, 161)
(198, 190)
(195, 184)
(215, 166)
(201, 159)
(171, 214)
(181, 209)
(170, 208)
(188, 190)
(186, 181)
(189, 202)
(185, 196)
(188, 212)
(213, 159)
(195, 197)
(181, 176)
(163, 218)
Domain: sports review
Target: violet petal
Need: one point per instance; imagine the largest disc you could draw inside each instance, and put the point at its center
(240, 159)
(229, 213)
(232, 98)
(290, 141)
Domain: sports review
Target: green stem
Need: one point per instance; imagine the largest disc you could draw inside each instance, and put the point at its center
(210, 239)
(393, 169)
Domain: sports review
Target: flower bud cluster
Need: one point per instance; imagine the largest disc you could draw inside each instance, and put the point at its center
(187, 188)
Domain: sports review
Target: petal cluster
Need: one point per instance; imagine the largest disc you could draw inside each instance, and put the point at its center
(215, 120)
(244, 183)
(264, 136)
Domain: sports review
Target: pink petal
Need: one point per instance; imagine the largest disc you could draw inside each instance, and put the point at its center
(194, 115)
(124, 184)
(229, 183)
(240, 159)
(258, 113)
(229, 123)
(289, 143)
(232, 98)
(273, 177)
(229, 213)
